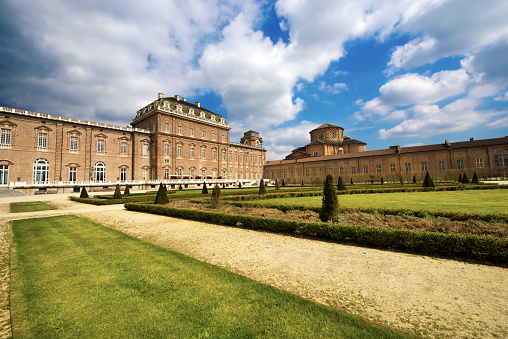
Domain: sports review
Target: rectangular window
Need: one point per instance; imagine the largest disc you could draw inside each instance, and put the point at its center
(203, 153)
(166, 174)
(223, 156)
(123, 148)
(392, 168)
(315, 154)
(145, 174)
(460, 164)
(203, 134)
(479, 162)
(306, 173)
(192, 173)
(100, 146)
(73, 174)
(123, 174)
(230, 157)
(166, 149)
(4, 174)
(192, 132)
(203, 174)
(179, 172)
(341, 170)
(214, 173)
(43, 141)
(408, 167)
(73, 145)
(424, 166)
(378, 168)
(145, 149)
(290, 174)
(298, 173)
(236, 157)
(365, 169)
(192, 152)
(179, 151)
(442, 166)
(214, 155)
(5, 137)
(241, 157)
(213, 136)
(166, 127)
(353, 169)
(179, 130)
(230, 174)
(223, 138)
(321, 172)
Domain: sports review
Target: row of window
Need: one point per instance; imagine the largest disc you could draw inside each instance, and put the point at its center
(191, 132)
(424, 168)
(192, 174)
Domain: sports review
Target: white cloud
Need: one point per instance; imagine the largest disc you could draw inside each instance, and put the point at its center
(336, 88)
(284, 140)
(500, 123)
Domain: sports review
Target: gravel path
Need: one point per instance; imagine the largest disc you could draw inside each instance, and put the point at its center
(435, 298)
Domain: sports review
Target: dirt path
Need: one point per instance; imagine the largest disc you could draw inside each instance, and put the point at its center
(435, 298)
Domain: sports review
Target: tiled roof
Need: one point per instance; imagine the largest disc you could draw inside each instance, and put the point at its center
(336, 143)
(326, 125)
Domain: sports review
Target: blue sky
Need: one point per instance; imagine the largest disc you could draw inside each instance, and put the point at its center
(400, 72)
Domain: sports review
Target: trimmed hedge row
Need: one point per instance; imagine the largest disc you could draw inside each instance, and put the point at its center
(464, 246)
(455, 216)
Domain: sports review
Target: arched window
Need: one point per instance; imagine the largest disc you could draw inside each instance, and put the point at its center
(99, 172)
(501, 157)
(41, 170)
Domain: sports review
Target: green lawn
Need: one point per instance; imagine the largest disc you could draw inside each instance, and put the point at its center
(32, 206)
(74, 278)
(479, 201)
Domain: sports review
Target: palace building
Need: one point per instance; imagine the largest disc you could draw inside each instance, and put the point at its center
(330, 152)
(169, 139)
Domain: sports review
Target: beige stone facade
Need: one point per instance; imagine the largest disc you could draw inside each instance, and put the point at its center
(330, 152)
(169, 139)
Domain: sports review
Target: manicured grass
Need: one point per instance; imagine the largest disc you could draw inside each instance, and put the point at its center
(478, 201)
(31, 206)
(73, 278)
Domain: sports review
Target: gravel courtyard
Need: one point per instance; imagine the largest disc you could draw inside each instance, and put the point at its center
(434, 298)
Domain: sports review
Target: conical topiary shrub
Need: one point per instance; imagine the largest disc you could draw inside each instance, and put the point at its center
(180, 187)
(414, 178)
(162, 197)
(84, 193)
(277, 186)
(262, 187)
(215, 196)
(427, 182)
(204, 190)
(117, 194)
(465, 179)
(341, 186)
(330, 204)
(460, 178)
(475, 179)
(126, 191)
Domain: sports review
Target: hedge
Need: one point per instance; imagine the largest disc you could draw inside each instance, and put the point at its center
(480, 248)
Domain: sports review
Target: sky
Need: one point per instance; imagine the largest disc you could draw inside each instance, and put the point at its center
(405, 72)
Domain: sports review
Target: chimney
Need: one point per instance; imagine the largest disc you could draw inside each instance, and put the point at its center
(177, 97)
(184, 99)
(161, 95)
(471, 139)
(198, 103)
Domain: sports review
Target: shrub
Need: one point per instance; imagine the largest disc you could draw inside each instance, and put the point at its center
(262, 187)
(283, 183)
(126, 191)
(204, 190)
(277, 186)
(117, 194)
(460, 178)
(161, 197)
(330, 205)
(351, 181)
(239, 185)
(84, 193)
(414, 178)
(427, 182)
(341, 186)
(465, 179)
(475, 179)
(382, 180)
(180, 187)
(401, 180)
(215, 196)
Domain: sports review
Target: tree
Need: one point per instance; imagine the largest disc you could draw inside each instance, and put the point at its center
(84, 193)
(283, 183)
(117, 194)
(475, 179)
(401, 179)
(460, 178)
(427, 182)
(414, 178)
(330, 205)
(277, 185)
(126, 191)
(162, 197)
(302, 183)
(465, 179)
(351, 181)
(341, 186)
(382, 180)
(215, 196)
(239, 185)
(180, 187)
(262, 187)
(204, 190)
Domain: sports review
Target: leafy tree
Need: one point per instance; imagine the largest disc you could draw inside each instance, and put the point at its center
(427, 182)
(117, 194)
(262, 187)
(341, 186)
(84, 193)
(215, 196)
(475, 179)
(126, 191)
(330, 205)
(465, 179)
(204, 190)
(162, 197)
(460, 178)
(277, 185)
